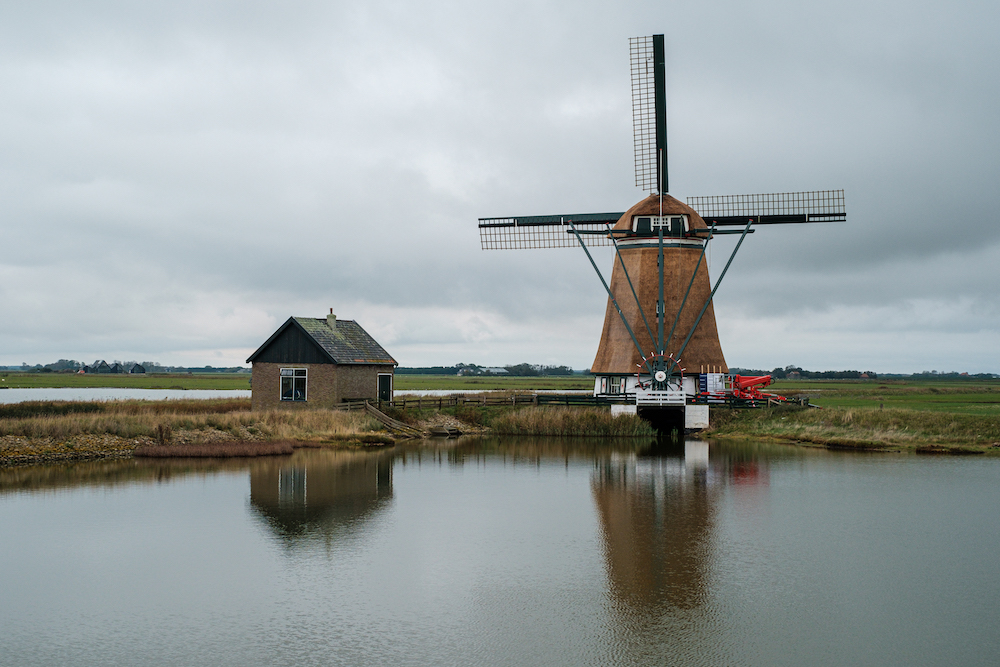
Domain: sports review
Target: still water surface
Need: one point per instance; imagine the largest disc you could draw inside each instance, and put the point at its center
(504, 552)
(20, 395)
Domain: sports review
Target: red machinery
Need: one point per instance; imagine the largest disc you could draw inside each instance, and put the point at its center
(749, 388)
(744, 392)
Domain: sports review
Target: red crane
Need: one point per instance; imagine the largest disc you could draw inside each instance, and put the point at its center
(750, 388)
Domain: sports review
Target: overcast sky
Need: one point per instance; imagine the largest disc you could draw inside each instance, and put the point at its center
(178, 178)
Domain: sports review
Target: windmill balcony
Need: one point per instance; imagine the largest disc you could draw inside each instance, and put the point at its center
(666, 398)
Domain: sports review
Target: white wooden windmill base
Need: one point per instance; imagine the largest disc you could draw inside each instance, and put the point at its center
(695, 416)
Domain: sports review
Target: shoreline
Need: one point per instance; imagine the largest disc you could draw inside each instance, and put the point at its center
(19, 451)
(56, 431)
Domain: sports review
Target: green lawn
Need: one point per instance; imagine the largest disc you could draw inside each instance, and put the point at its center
(974, 397)
(17, 380)
(471, 384)
(242, 381)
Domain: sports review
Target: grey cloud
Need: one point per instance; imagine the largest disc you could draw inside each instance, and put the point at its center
(204, 167)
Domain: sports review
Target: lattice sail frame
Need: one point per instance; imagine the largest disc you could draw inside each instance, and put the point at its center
(544, 231)
(644, 112)
(772, 208)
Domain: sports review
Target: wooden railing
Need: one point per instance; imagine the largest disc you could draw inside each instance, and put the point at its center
(453, 401)
(428, 402)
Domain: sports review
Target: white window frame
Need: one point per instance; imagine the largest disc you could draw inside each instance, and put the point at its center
(657, 221)
(614, 385)
(294, 374)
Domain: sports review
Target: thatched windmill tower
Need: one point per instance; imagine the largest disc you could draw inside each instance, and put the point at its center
(617, 355)
(659, 328)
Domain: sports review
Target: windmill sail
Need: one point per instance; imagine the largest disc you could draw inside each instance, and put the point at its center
(771, 209)
(553, 231)
(545, 231)
(649, 114)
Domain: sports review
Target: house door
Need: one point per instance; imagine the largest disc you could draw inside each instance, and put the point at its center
(384, 387)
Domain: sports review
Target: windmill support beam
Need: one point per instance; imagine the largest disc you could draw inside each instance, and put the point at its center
(717, 283)
(613, 299)
(635, 296)
(687, 292)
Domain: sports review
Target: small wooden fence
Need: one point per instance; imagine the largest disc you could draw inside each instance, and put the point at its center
(454, 401)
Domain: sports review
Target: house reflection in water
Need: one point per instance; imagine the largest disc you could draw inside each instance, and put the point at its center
(319, 494)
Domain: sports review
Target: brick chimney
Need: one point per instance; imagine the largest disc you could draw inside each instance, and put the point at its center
(331, 321)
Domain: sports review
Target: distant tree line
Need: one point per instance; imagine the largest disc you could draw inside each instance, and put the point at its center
(531, 370)
(796, 372)
(74, 366)
(941, 375)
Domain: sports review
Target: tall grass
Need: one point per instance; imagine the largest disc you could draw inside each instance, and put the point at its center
(861, 426)
(558, 421)
(42, 408)
(132, 419)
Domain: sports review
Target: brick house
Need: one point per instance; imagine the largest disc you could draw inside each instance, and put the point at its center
(319, 363)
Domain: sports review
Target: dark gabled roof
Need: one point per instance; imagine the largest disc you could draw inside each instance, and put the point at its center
(347, 344)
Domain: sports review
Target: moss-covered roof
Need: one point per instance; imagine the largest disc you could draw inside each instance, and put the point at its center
(347, 343)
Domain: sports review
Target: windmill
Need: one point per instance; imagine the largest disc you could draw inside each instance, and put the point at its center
(659, 326)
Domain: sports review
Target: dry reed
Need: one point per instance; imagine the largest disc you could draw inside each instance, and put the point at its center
(862, 427)
(568, 421)
(136, 419)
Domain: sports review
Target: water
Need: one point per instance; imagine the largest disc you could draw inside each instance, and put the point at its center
(14, 395)
(504, 552)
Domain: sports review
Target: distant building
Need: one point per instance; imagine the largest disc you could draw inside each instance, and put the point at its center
(117, 368)
(319, 363)
(99, 366)
(137, 369)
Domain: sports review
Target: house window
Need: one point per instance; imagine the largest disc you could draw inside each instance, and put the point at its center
(293, 384)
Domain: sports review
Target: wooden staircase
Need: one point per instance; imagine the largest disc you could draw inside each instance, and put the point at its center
(394, 425)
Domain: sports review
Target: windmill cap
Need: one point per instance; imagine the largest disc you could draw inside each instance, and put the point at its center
(651, 206)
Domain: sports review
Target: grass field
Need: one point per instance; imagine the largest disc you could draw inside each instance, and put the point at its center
(489, 383)
(922, 415)
(971, 398)
(242, 381)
